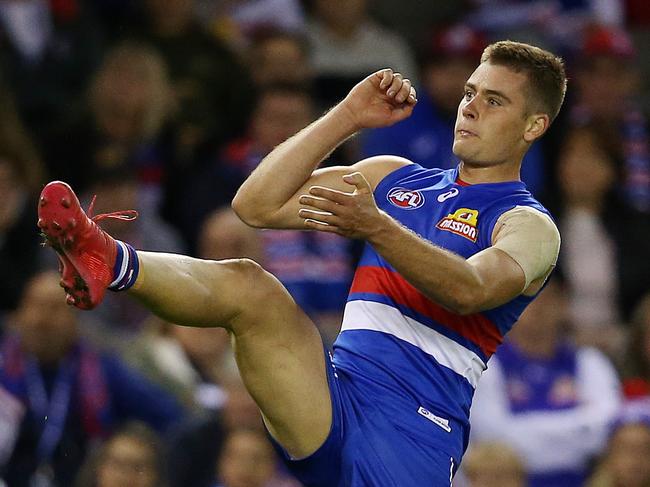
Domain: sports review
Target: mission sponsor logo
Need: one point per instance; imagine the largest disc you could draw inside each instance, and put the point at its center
(462, 222)
(406, 199)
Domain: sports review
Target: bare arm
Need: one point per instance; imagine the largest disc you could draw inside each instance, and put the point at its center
(269, 197)
(465, 286)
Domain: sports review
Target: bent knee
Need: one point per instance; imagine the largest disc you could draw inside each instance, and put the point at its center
(260, 286)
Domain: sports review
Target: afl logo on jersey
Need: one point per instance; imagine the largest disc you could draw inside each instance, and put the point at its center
(405, 198)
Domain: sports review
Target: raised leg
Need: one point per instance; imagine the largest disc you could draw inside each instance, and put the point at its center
(277, 347)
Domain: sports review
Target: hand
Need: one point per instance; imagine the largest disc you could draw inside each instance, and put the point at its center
(380, 100)
(352, 215)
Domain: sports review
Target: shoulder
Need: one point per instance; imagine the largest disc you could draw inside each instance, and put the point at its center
(524, 219)
(376, 168)
(530, 237)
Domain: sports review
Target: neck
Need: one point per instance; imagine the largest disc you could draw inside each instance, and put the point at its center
(489, 174)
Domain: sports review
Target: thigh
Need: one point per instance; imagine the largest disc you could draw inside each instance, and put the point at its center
(279, 352)
(277, 347)
(323, 467)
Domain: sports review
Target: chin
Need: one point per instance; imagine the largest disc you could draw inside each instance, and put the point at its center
(461, 150)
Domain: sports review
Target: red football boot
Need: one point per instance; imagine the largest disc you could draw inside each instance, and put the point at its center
(86, 252)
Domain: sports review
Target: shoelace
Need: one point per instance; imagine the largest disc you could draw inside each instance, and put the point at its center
(126, 215)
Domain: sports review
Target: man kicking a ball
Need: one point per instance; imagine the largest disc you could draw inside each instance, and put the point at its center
(451, 260)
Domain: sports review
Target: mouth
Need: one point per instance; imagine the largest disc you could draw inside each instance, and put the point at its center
(465, 133)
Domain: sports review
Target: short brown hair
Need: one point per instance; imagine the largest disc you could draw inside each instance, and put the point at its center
(545, 71)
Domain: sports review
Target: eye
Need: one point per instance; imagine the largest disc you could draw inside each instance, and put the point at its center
(494, 102)
(468, 95)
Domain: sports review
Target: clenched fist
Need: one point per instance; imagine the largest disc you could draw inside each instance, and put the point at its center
(380, 100)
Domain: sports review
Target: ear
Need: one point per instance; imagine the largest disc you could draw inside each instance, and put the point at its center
(536, 126)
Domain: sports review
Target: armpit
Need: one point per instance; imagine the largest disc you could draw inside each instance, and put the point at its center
(531, 238)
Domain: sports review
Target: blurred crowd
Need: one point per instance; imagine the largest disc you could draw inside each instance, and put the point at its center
(166, 106)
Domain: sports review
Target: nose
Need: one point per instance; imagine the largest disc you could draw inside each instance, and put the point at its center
(469, 109)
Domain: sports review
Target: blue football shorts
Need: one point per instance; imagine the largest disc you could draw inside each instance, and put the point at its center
(365, 449)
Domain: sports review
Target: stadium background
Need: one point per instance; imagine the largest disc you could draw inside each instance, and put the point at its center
(167, 105)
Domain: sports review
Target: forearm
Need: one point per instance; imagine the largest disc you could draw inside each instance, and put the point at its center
(442, 276)
(283, 171)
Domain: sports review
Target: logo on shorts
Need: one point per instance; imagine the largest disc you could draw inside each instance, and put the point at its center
(405, 198)
(442, 422)
(461, 222)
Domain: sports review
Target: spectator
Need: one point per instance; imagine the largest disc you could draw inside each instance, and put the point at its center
(251, 15)
(555, 24)
(276, 57)
(49, 51)
(124, 124)
(212, 108)
(636, 383)
(607, 94)
(190, 363)
(606, 270)
(546, 398)
(625, 463)
(131, 457)
(17, 144)
(196, 444)
(73, 393)
(418, 18)
(248, 460)
(18, 236)
(225, 236)
(280, 109)
(493, 465)
(448, 58)
(346, 45)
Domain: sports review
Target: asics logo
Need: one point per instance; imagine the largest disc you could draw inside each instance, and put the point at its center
(449, 194)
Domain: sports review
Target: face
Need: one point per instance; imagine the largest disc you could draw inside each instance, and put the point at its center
(492, 125)
(47, 325)
(279, 116)
(346, 13)
(127, 462)
(225, 236)
(279, 59)
(586, 172)
(628, 457)
(247, 460)
(121, 110)
(605, 86)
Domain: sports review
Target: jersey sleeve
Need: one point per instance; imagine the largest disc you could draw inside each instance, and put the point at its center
(531, 238)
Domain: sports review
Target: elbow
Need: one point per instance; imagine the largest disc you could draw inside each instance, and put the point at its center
(465, 302)
(245, 211)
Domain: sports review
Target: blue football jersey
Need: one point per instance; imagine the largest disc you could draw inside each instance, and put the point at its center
(403, 350)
